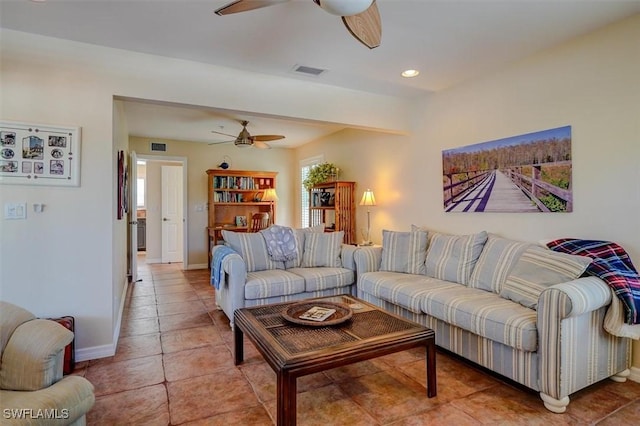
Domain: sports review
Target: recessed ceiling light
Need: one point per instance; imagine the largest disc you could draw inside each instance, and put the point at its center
(410, 73)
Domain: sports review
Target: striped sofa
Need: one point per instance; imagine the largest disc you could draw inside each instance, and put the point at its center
(324, 267)
(515, 308)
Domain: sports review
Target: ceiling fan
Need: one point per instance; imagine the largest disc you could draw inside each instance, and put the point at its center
(244, 138)
(361, 17)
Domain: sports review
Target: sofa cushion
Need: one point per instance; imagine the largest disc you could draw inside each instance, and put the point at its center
(404, 251)
(253, 250)
(537, 269)
(405, 290)
(272, 283)
(322, 249)
(452, 257)
(300, 233)
(498, 257)
(485, 314)
(318, 279)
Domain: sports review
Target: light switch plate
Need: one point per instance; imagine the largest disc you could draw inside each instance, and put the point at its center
(15, 210)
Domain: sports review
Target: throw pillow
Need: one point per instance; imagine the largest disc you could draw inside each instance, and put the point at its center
(537, 269)
(452, 257)
(404, 252)
(300, 233)
(253, 250)
(322, 249)
(498, 257)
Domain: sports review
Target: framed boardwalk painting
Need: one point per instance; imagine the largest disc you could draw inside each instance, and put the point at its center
(529, 173)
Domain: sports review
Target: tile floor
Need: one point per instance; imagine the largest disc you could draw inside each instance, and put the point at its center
(174, 366)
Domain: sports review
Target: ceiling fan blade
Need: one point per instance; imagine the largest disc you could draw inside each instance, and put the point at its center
(366, 27)
(267, 138)
(218, 143)
(245, 5)
(225, 134)
(261, 145)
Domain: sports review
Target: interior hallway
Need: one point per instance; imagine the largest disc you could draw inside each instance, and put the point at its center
(174, 366)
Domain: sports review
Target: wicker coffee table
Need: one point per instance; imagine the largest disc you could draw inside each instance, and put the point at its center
(294, 350)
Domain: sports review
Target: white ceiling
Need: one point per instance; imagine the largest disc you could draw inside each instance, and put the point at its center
(448, 41)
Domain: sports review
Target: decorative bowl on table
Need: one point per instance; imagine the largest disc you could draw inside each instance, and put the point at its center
(295, 313)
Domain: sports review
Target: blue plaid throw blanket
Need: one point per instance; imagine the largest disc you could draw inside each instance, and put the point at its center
(217, 273)
(612, 264)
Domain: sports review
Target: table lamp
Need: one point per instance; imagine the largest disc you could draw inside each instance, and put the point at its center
(368, 199)
(270, 196)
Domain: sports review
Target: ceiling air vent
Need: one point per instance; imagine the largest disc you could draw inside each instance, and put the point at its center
(157, 146)
(303, 69)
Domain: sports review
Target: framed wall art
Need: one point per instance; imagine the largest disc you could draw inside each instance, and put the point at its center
(39, 154)
(528, 173)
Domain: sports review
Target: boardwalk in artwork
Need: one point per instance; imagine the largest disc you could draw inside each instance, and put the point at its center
(496, 193)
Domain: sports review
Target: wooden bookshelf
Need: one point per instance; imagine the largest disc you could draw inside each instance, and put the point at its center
(333, 203)
(236, 193)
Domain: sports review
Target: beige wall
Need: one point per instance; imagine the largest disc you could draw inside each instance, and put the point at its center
(592, 84)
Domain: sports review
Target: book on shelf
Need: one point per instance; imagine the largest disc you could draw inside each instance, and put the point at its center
(317, 313)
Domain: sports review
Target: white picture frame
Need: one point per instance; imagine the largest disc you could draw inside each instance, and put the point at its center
(39, 154)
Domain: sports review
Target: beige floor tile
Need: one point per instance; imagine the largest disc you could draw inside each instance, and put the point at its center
(181, 308)
(139, 312)
(177, 297)
(389, 395)
(196, 362)
(206, 396)
(176, 288)
(441, 415)
(184, 320)
(138, 346)
(254, 416)
(136, 301)
(147, 405)
(137, 327)
(126, 375)
(190, 338)
(627, 415)
(170, 281)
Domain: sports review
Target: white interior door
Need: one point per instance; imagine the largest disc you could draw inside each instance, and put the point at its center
(172, 215)
(133, 217)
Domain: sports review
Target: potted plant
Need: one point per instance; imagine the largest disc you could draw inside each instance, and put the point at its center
(319, 174)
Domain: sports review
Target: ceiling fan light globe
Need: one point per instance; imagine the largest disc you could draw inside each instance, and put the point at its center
(345, 7)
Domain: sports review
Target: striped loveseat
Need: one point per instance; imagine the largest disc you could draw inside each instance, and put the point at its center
(516, 308)
(324, 267)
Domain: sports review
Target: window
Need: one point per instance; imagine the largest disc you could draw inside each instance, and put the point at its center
(140, 195)
(305, 166)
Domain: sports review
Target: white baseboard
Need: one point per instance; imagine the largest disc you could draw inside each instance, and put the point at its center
(197, 266)
(148, 260)
(104, 351)
(95, 352)
(635, 374)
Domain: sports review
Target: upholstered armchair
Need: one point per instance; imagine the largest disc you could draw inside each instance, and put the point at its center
(32, 389)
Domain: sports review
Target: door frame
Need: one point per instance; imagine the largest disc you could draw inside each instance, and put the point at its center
(185, 221)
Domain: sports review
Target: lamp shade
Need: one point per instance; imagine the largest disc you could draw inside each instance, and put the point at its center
(368, 199)
(270, 195)
(345, 8)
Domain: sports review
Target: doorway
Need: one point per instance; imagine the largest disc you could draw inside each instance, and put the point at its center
(165, 201)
